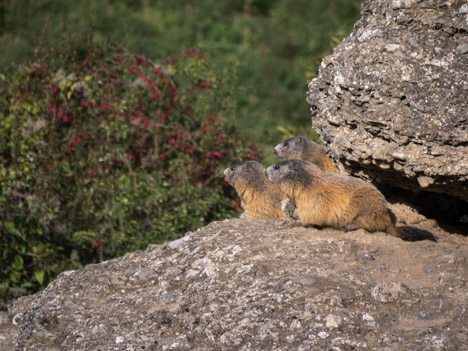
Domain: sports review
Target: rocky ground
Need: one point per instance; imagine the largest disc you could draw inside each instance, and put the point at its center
(258, 285)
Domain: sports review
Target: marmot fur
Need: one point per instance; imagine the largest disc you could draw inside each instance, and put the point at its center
(302, 148)
(337, 201)
(259, 197)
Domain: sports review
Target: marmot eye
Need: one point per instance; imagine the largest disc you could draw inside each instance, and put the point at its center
(286, 143)
(276, 167)
(233, 168)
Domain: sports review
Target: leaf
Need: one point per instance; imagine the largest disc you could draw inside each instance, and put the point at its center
(10, 226)
(18, 263)
(14, 277)
(39, 275)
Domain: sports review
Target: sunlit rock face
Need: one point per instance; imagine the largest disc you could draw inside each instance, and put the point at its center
(391, 101)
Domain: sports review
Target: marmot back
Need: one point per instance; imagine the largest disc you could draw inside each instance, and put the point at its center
(335, 200)
(259, 197)
(302, 148)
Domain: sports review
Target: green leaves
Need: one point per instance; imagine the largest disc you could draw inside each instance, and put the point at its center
(107, 155)
(39, 275)
(17, 263)
(10, 227)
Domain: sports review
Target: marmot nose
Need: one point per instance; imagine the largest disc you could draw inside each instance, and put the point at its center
(275, 151)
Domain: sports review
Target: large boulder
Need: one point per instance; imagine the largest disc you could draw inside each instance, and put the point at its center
(257, 285)
(391, 101)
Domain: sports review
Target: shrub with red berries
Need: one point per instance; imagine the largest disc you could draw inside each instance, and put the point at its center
(104, 155)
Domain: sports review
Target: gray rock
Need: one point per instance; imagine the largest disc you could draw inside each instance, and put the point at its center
(391, 101)
(256, 285)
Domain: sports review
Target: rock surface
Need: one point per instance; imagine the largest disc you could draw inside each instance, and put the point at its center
(257, 285)
(391, 101)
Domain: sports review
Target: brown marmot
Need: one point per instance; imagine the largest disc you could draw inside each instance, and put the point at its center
(302, 148)
(337, 201)
(259, 197)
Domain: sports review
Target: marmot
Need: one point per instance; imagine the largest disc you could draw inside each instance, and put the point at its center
(302, 148)
(259, 197)
(337, 201)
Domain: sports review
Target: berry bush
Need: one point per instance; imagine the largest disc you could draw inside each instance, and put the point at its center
(105, 154)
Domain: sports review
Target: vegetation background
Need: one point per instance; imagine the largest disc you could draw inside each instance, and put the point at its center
(249, 63)
(275, 45)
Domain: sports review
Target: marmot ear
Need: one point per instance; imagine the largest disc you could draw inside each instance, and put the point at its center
(246, 167)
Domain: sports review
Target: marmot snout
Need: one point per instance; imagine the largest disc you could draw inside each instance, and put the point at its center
(302, 148)
(259, 197)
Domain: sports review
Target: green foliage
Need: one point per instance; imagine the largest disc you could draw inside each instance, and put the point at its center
(103, 154)
(276, 44)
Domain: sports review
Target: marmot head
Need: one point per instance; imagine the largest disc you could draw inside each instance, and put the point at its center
(291, 148)
(290, 173)
(247, 172)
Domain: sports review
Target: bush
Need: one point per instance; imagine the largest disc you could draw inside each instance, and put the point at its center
(277, 44)
(105, 154)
